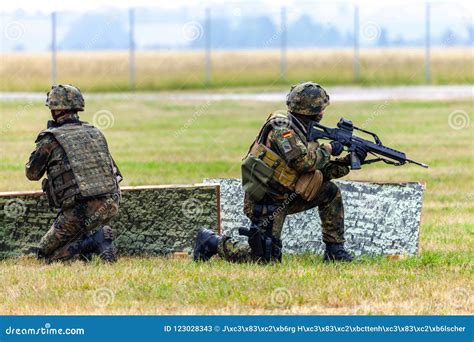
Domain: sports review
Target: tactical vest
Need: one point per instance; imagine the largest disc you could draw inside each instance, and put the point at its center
(263, 170)
(87, 169)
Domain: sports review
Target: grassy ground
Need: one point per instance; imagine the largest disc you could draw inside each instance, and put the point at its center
(169, 142)
(108, 71)
(432, 283)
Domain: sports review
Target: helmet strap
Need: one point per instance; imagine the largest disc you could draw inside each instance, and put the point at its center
(56, 114)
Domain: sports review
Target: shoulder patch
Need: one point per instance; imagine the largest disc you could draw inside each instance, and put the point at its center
(286, 146)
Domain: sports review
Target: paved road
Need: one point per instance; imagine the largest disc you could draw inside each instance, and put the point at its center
(339, 93)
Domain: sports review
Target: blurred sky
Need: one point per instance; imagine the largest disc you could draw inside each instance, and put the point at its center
(56, 5)
(163, 26)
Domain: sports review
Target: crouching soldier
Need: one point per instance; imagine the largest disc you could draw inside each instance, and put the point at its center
(82, 181)
(282, 174)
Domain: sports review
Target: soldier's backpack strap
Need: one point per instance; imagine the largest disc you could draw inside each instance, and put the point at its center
(270, 123)
(263, 169)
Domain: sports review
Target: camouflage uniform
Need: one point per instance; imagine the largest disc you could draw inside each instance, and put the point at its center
(328, 200)
(82, 177)
(289, 142)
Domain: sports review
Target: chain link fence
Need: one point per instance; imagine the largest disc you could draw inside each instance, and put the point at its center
(237, 44)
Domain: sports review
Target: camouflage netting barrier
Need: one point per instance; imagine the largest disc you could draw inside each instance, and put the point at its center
(379, 218)
(153, 220)
(159, 220)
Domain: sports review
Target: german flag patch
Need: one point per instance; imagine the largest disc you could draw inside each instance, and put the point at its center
(287, 134)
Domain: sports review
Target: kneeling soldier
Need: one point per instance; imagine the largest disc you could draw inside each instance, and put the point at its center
(82, 181)
(283, 174)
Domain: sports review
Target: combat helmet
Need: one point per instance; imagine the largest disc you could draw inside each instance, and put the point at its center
(65, 97)
(307, 98)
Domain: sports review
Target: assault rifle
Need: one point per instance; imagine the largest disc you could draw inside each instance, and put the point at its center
(344, 134)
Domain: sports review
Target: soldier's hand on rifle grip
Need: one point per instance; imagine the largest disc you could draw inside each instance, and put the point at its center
(336, 148)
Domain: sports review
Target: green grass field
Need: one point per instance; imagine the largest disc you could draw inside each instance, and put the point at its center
(184, 142)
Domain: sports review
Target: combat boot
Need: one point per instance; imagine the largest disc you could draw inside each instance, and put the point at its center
(337, 252)
(100, 243)
(80, 248)
(206, 245)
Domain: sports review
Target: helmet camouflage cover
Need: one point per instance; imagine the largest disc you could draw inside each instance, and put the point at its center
(65, 97)
(307, 98)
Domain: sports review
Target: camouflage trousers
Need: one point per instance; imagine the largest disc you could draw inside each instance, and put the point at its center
(72, 223)
(331, 211)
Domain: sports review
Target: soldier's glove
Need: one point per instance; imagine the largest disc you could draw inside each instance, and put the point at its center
(336, 148)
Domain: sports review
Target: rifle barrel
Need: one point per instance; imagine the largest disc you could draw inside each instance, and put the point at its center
(417, 163)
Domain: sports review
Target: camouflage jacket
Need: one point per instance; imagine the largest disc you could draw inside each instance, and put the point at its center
(303, 156)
